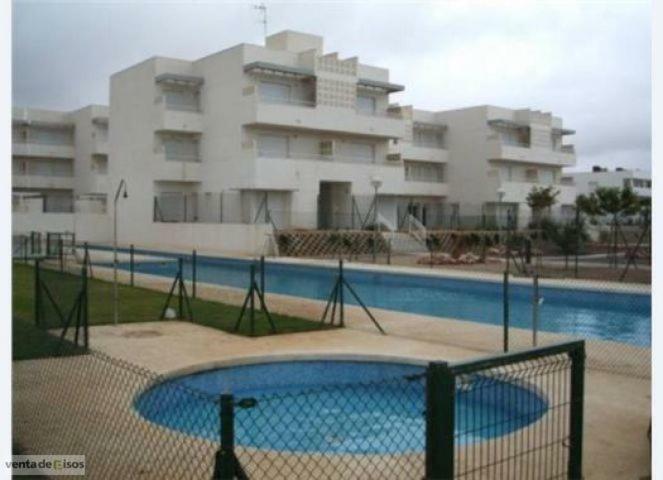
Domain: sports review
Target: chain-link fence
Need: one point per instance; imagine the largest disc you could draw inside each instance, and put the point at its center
(478, 309)
(520, 414)
(85, 404)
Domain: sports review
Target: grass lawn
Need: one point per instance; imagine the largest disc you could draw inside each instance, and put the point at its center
(136, 305)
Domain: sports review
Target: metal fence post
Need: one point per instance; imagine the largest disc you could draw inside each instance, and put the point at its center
(341, 287)
(224, 467)
(535, 308)
(37, 294)
(131, 264)
(194, 273)
(180, 309)
(440, 404)
(25, 249)
(252, 300)
(61, 253)
(262, 274)
(576, 418)
(84, 307)
(505, 314)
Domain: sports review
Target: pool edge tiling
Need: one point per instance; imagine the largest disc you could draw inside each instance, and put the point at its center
(331, 406)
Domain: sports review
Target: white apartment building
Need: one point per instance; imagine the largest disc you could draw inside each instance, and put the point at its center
(494, 157)
(285, 128)
(217, 151)
(638, 180)
(59, 167)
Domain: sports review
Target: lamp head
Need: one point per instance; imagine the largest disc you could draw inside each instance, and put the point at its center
(376, 182)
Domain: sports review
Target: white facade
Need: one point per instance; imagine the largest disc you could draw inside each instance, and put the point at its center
(638, 180)
(495, 156)
(282, 134)
(59, 171)
(284, 126)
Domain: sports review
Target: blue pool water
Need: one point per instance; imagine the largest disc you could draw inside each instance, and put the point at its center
(334, 406)
(620, 317)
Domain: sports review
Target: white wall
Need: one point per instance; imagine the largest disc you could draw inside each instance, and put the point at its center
(230, 238)
(87, 227)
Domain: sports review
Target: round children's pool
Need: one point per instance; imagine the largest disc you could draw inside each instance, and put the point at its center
(334, 406)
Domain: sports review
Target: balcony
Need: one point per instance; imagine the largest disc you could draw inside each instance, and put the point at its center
(168, 119)
(424, 154)
(322, 118)
(100, 146)
(421, 188)
(497, 150)
(170, 170)
(43, 182)
(288, 172)
(44, 150)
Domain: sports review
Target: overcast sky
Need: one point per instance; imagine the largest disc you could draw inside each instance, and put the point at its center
(589, 63)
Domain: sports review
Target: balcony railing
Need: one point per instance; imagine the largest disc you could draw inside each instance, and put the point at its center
(300, 102)
(380, 113)
(567, 149)
(182, 158)
(320, 157)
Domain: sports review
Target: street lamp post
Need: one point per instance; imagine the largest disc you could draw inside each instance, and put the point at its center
(376, 182)
(120, 188)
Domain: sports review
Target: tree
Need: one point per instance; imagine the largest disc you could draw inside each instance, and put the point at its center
(614, 202)
(541, 199)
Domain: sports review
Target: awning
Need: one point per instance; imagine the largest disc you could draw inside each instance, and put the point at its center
(504, 123)
(100, 120)
(380, 86)
(280, 70)
(563, 131)
(437, 127)
(180, 80)
(43, 124)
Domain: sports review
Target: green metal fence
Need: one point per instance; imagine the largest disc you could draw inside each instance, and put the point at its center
(95, 405)
(61, 305)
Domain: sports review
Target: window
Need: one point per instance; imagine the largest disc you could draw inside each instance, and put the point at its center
(366, 104)
(275, 92)
(51, 136)
(50, 167)
(428, 138)
(181, 149)
(424, 172)
(100, 164)
(185, 99)
(363, 152)
(531, 175)
(546, 177)
(270, 145)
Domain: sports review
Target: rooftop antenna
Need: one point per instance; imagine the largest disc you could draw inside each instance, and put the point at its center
(263, 8)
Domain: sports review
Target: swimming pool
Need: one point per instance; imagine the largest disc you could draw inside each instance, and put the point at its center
(620, 317)
(335, 406)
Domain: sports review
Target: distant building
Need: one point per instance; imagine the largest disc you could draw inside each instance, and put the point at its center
(587, 182)
(493, 157)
